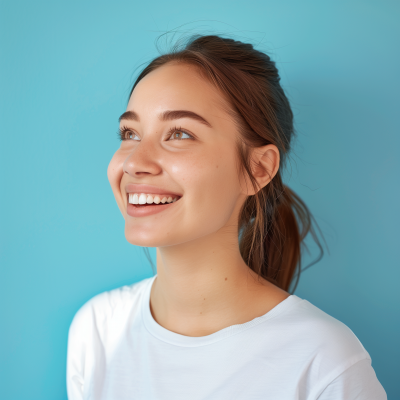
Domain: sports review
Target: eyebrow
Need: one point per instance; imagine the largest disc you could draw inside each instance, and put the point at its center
(168, 115)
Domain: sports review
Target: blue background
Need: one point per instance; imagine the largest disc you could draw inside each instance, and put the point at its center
(66, 71)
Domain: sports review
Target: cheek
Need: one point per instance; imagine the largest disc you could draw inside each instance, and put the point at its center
(213, 189)
(114, 174)
(219, 187)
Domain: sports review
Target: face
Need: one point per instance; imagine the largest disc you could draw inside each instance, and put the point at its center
(192, 155)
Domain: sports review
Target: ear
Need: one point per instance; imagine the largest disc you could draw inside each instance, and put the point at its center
(264, 164)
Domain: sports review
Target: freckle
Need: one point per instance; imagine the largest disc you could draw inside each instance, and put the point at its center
(204, 298)
(201, 313)
(226, 279)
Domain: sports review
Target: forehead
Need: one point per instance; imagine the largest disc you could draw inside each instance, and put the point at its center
(178, 86)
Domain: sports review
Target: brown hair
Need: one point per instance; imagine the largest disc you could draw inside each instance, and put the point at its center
(274, 222)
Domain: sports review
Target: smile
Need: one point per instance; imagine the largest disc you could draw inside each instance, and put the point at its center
(142, 198)
(142, 204)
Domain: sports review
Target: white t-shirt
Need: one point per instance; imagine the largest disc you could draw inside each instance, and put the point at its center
(117, 351)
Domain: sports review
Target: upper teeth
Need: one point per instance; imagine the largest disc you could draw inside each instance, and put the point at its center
(135, 198)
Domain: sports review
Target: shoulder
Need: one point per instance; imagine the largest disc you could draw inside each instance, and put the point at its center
(94, 331)
(325, 346)
(328, 333)
(106, 306)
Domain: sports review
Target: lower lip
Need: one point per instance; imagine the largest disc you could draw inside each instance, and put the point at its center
(134, 211)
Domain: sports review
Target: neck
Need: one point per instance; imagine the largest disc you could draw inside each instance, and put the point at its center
(202, 286)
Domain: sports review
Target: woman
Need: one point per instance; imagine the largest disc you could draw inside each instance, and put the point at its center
(198, 176)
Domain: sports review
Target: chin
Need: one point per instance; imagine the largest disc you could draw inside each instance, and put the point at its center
(146, 238)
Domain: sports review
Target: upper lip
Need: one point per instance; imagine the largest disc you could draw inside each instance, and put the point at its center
(148, 189)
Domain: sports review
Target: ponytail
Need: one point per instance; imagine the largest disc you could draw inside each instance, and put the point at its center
(273, 235)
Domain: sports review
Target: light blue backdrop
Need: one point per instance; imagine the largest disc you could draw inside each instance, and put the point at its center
(66, 70)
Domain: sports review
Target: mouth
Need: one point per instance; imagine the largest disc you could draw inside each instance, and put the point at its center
(145, 200)
(141, 205)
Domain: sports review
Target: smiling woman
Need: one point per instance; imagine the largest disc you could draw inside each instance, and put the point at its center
(204, 138)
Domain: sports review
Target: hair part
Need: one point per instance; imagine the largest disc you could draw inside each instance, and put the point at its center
(273, 222)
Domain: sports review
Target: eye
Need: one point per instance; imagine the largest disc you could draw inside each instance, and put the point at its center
(126, 134)
(177, 134)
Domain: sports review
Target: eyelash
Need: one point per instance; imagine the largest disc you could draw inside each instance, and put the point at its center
(124, 130)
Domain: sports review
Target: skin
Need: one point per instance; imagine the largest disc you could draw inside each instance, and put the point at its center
(203, 285)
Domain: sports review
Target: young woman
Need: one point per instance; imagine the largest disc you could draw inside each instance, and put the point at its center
(198, 176)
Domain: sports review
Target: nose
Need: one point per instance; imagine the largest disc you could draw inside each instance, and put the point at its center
(142, 160)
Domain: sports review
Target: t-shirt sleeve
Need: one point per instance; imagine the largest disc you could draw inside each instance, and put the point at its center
(358, 382)
(75, 355)
(85, 350)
